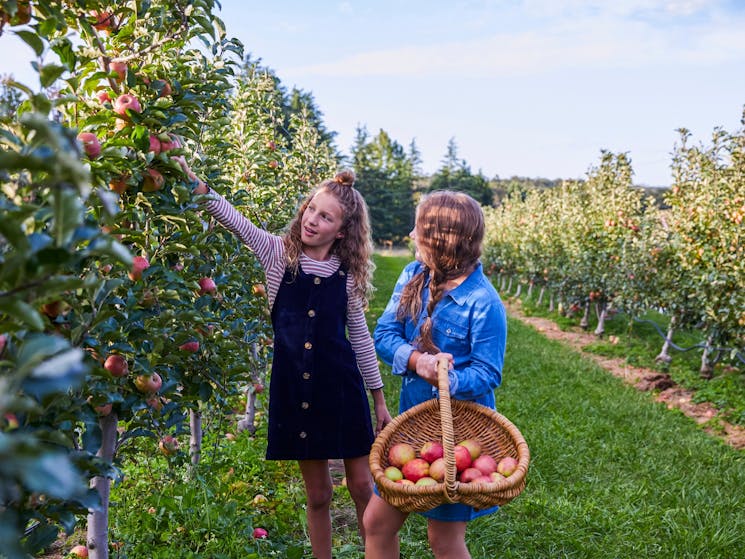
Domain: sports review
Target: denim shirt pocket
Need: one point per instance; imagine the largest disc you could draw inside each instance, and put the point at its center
(451, 337)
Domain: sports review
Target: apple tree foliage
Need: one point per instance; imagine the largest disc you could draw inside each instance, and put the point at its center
(602, 241)
(73, 221)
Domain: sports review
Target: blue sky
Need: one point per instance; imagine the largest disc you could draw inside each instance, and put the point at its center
(526, 87)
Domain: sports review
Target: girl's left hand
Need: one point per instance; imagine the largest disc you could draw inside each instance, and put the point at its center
(426, 366)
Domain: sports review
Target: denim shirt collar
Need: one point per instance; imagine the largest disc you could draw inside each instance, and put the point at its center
(461, 293)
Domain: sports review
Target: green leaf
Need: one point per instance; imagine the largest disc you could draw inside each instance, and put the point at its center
(32, 40)
(23, 312)
(68, 214)
(50, 73)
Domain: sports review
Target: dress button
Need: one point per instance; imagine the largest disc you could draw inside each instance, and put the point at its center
(306, 376)
(316, 280)
(311, 313)
(308, 345)
(303, 434)
(341, 273)
(305, 405)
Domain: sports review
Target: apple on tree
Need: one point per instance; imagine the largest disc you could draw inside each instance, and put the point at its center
(168, 445)
(116, 365)
(139, 264)
(78, 551)
(192, 346)
(148, 384)
(260, 534)
(126, 102)
(91, 145)
(207, 286)
(153, 180)
(120, 67)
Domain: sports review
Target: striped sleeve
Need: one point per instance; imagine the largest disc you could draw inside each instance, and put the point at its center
(362, 343)
(268, 248)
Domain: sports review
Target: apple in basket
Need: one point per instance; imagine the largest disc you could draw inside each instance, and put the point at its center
(426, 480)
(507, 466)
(470, 474)
(415, 469)
(393, 473)
(431, 451)
(401, 453)
(462, 458)
(437, 469)
(473, 446)
(485, 463)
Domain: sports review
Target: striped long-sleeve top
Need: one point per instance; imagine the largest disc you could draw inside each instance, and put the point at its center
(270, 251)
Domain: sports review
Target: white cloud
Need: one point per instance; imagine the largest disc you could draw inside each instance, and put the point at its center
(590, 43)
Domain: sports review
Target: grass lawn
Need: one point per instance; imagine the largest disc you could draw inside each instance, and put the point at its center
(613, 475)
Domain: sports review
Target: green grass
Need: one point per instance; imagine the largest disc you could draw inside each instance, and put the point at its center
(638, 343)
(613, 475)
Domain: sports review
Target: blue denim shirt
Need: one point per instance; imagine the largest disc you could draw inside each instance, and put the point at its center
(469, 322)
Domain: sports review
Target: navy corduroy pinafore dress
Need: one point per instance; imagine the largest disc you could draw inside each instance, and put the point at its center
(318, 407)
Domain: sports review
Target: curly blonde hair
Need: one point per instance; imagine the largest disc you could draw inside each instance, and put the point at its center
(449, 233)
(354, 248)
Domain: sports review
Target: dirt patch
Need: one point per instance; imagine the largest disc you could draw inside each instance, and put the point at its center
(660, 384)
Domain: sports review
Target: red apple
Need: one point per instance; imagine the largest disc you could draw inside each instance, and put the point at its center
(401, 453)
(431, 451)
(119, 184)
(393, 473)
(273, 164)
(259, 289)
(469, 474)
(155, 145)
(104, 409)
(91, 145)
(12, 421)
(462, 458)
(473, 446)
(507, 466)
(148, 384)
(3, 341)
(485, 464)
(171, 143)
(271, 146)
(153, 180)
(405, 481)
(258, 388)
(230, 436)
(78, 551)
(155, 402)
(120, 68)
(127, 102)
(260, 534)
(437, 469)
(483, 479)
(105, 21)
(415, 469)
(168, 445)
(116, 365)
(162, 87)
(191, 346)
(103, 96)
(207, 285)
(23, 13)
(495, 477)
(139, 264)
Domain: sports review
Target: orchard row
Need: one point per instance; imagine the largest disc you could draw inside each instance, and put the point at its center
(600, 243)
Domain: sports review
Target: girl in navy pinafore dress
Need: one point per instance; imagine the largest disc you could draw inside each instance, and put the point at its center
(318, 281)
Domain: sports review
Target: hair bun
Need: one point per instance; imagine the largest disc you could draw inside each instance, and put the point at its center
(345, 178)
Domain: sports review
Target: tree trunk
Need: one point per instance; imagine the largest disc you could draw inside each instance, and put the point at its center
(707, 368)
(664, 355)
(98, 521)
(541, 293)
(503, 283)
(248, 423)
(529, 294)
(551, 306)
(585, 322)
(509, 285)
(518, 290)
(195, 439)
(602, 312)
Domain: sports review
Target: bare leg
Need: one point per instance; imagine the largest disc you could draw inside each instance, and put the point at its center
(382, 523)
(447, 539)
(318, 491)
(360, 485)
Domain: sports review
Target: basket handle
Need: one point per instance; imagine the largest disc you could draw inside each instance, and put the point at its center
(448, 434)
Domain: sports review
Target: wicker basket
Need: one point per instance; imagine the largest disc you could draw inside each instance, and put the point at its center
(450, 421)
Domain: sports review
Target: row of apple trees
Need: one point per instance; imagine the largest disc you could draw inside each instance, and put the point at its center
(600, 245)
(126, 314)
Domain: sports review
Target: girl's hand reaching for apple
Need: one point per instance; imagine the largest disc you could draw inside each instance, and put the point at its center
(201, 187)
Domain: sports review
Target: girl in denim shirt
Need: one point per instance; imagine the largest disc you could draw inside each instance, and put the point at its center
(442, 306)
